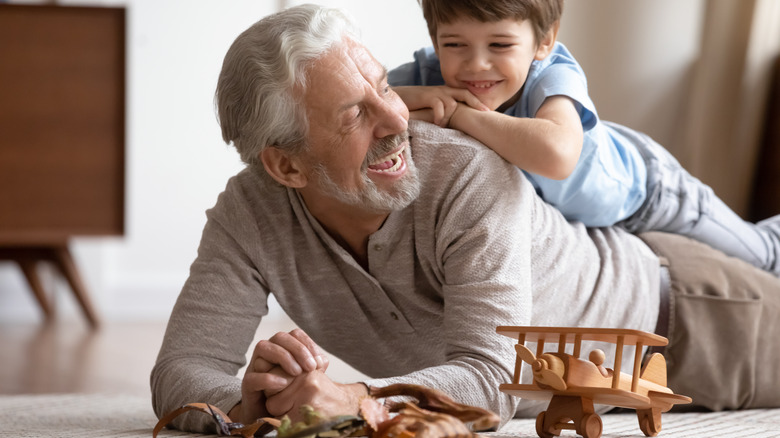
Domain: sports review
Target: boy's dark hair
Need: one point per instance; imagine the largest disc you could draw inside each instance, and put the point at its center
(542, 13)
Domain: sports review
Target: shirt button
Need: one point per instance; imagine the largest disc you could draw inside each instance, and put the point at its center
(394, 315)
(378, 247)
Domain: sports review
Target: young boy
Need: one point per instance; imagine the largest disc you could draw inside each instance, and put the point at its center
(497, 73)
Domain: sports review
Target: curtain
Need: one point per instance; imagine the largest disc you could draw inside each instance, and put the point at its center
(728, 97)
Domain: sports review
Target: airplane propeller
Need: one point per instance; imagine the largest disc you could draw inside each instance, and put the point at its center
(541, 368)
(525, 353)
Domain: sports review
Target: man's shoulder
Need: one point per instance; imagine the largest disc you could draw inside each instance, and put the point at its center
(434, 142)
(465, 185)
(247, 181)
(249, 187)
(450, 158)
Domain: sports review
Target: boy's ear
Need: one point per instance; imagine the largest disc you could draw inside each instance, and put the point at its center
(285, 169)
(547, 43)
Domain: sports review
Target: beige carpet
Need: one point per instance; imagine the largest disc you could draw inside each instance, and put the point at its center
(110, 416)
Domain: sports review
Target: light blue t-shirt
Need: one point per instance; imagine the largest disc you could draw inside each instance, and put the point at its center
(609, 182)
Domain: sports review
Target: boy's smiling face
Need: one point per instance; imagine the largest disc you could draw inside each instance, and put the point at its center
(489, 59)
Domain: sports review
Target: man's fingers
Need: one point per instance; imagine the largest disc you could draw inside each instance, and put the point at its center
(260, 365)
(253, 387)
(322, 362)
(300, 346)
(269, 383)
(277, 385)
(319, 355)
(316, 389)
(280, 404)
(269, 353)
(284, 402)
(295, 352)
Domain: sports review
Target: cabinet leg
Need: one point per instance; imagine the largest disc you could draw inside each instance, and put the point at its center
(28, 257)
(63, 259)
(28, 267)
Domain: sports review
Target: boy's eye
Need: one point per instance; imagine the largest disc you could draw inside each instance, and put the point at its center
(452, 45)
(501, 45)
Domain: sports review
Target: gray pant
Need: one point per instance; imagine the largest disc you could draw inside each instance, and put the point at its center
(679, 203)
(724, 326)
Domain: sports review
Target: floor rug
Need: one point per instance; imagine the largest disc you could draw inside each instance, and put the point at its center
(114, 416)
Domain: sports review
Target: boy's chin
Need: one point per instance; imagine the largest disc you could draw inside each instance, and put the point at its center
(491, 103)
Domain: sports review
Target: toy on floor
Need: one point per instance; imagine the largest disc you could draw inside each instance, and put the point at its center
(573, 385)
(433, 415)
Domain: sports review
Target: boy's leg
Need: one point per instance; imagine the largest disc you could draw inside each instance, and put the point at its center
(724, 322)
(772, 227)
(679, 203)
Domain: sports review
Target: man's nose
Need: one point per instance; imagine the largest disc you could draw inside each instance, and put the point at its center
(392, 117)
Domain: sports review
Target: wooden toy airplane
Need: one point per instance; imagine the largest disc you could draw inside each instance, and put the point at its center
(573, 385)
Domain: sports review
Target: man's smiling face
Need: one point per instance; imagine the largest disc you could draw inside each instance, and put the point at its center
(358, 147)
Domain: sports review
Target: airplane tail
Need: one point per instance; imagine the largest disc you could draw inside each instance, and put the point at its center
(655, 369)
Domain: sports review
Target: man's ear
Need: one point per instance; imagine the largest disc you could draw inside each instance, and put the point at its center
(286, 170)
(548, 41)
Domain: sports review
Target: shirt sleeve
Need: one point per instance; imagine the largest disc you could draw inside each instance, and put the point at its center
(211, 326)
(607, 185)
(423, 70)
(405, 74)
(561, 76)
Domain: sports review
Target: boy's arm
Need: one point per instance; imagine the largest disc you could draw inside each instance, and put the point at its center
(441, 100)
(548, 144)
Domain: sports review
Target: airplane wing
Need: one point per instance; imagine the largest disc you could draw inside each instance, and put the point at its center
(667, 399)
(569, 335)
(604, 396)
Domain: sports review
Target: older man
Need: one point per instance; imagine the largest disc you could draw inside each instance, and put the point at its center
(401, 254)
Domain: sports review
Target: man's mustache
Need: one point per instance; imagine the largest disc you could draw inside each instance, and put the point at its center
(384, 146)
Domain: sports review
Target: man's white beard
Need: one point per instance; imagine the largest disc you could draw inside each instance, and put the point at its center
(371, 197)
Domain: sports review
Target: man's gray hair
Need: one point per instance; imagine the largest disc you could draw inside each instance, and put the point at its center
(256, 97)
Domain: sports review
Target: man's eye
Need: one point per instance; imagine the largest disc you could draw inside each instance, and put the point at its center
(356, 113)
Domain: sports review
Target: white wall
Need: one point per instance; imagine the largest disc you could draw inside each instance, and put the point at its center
(177, 163)
(637, 54)
(639, 58)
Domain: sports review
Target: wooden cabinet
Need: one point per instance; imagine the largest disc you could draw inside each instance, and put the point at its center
(62, 134)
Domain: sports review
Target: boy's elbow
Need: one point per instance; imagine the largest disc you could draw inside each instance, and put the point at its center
(566, 150)
(561, 166)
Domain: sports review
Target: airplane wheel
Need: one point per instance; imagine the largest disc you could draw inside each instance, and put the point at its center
(649, 421)
(540, 430)
(590, 426)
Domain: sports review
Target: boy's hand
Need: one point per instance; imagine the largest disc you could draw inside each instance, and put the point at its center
(441, 100)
